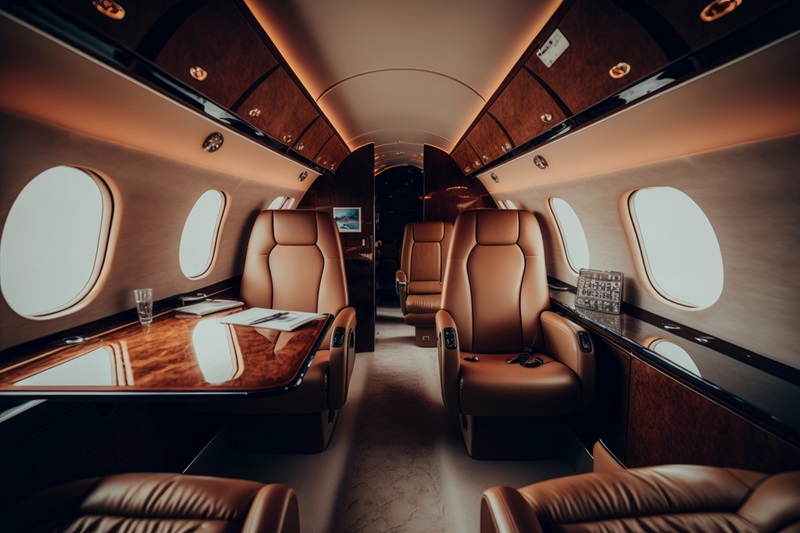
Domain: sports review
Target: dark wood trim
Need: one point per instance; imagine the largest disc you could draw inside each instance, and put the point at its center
(662, 32)
(250, 90)
(282, 61)
(712, 391)
(157, 36)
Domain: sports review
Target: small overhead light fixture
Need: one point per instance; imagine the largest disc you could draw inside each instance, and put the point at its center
(540, 162)
(303, 176)
(506, 147)
(495, 178)
(198, 73)
(213, 142)
(300, 147)
(287, 138)
(485, 157)
(546, 117)
(620, 70)
(477, 163)
(718, 9)
(255, 112)
(110, 9)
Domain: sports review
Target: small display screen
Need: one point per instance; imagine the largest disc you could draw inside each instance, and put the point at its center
(600, 290)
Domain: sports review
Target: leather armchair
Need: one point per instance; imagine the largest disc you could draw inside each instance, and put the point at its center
(419, 278)
(162, 502)
(494, 307)
(659, 498)
(294, 261)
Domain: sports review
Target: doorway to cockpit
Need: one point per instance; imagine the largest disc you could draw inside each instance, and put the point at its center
(398, 201)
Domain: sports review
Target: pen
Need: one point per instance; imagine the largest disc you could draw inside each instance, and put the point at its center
(268, 318)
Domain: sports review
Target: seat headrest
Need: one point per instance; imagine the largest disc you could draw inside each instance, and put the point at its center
(497, 227)
(295, 227)
(428, 231)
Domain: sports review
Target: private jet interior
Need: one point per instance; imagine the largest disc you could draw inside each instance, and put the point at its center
(424, 266)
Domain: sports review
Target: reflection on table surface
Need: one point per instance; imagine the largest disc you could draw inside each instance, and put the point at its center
(172, 355)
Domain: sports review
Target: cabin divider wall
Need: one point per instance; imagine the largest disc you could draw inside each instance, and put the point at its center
(354, 186)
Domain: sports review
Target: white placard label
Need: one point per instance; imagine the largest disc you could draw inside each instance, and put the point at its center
(553, 48)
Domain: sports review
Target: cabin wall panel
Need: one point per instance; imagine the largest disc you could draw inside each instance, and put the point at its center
(750, 194)
(155, 197)
(354, 186)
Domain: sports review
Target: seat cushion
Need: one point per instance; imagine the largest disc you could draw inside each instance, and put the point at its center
(158, 502)
(423, 303)
(492, 387)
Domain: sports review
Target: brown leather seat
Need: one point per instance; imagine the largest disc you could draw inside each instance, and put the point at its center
(158, 502)
(419, 279)
(494, 306)
(294, 261)
(660, 498)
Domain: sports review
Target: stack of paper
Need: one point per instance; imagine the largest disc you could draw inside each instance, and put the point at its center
(207, 307)
(258, 317)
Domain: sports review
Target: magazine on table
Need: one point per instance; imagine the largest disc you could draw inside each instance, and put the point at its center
(259, 317)
(207, 307)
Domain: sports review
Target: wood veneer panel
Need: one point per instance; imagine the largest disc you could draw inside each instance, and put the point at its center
(140, 17)
(446, 191)
(284, 111)
(465, 157)
(219, 39)
(332, 154)
(520, 106)
(684, 16)
(488, 139)
(313, 139)
(354, 186)
(670, 423)
(600, 36)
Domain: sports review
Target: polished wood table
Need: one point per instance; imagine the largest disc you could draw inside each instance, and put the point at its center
(172, 357)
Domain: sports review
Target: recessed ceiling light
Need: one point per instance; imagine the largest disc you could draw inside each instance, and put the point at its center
(495, 178)
(718, 9)
(255, 112)
(540, 162)
(546, 117)
(110, 9)
(198, 73)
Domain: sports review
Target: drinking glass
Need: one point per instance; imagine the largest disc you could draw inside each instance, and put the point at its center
(144, 305)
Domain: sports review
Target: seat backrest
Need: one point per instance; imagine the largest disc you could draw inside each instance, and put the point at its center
(495, 284)
(425, 247)
(294, 261)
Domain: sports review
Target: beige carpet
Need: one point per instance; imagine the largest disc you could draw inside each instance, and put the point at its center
(396, 462)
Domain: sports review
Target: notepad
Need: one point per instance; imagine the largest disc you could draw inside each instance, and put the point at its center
(207, 307)
(288, 322)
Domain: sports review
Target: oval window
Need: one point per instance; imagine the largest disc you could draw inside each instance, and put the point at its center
(677, 246)
(200, 234)
(277, 203)
(572, 235)
(54, 242)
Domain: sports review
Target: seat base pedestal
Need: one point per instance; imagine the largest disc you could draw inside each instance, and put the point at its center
(425, 337)
(283, 432)
(511, 437)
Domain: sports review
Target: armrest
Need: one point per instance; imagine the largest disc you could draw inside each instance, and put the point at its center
(562, 341)
(449, 362)
(342, 358)
(504, 510)
(401, 287)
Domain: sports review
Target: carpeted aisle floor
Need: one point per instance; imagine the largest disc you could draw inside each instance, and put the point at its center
(396, 462)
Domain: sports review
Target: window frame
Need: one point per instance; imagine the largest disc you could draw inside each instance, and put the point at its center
(559, 227)
(642, 261)
(217, 233)
(110, 212)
